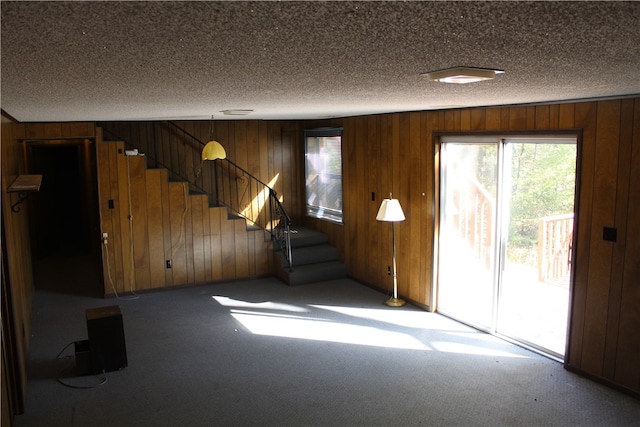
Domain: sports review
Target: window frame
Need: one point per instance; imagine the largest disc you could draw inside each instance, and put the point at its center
(314, 211)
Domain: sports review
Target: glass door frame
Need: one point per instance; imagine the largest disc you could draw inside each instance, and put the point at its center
(440, 138)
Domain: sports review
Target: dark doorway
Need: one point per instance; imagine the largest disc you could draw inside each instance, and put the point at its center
(64, 219)
(58, 224)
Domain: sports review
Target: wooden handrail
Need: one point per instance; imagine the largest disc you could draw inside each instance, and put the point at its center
(555, 235)
(475, 218)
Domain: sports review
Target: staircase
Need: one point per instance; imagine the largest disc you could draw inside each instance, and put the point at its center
(314, 259)
(302, 255)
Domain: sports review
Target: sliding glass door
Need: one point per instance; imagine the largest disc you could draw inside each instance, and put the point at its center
(505, 236)
(467, 232)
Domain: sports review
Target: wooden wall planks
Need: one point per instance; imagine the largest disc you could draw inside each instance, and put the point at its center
(396, 153)
(398, 149)
(153, 220)
(17, 275)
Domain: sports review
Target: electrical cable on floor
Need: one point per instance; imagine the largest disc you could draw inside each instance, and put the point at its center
(103, 380)
(106, 252)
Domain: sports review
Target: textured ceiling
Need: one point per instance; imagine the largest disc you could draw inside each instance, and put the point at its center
(64, 61)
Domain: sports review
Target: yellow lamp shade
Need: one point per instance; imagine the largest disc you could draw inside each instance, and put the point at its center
(213, 150)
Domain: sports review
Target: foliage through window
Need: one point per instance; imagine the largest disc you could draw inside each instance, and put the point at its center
(323, 173)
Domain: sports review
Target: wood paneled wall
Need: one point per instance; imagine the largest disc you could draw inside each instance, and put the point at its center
(17, 278)
(150, 220)
(267, 149)
(397, 153)
(382, 154)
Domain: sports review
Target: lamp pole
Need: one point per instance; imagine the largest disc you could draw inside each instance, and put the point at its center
(394, 301)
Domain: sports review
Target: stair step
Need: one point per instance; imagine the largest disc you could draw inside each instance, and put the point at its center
(311, 255)
(313, 273)
(232, 216)
(301, 237)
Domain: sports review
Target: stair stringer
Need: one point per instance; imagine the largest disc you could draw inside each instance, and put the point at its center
(160, 235)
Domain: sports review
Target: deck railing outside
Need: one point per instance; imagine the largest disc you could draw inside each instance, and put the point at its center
(475, 218)
(554, 246)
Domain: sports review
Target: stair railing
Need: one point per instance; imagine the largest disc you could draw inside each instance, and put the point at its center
(167, 145)
(247, 196)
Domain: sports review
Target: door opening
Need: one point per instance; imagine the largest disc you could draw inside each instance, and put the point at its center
(506, 235)
(64, 219)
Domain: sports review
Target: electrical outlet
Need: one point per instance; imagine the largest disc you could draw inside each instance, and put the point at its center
(389, 270)
(105, 236)
(168, 263)
(610, 234)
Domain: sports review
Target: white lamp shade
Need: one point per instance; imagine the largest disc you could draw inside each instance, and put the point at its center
(391, 211)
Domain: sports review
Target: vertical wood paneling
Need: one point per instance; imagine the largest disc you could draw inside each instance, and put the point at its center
(17, 284)
(166, 227)
(251, 255)
(585, 118)
(241, 247)
(628, 347)
(241, 145)
(115, 247)
(228, 247)
(603, 340)
(349, 176)
(260, 258)
(531, 117)
(126, 226)
(384, 187)
(284, 158)
(403, 193)
(493, 117)
(140, 233)
(178, 211)
(478, 119)
(517, 118)
(206, 240)
(429, 123)
(554, 116)
(465, 120)
(601, 252)
(360, 204)
(542, 117)
(413, 207)
(566, 117)
(197, 231)
(394, 153)
(215, 217)
(373, 172)
(619, 248)
(188, 237)
(154, 178)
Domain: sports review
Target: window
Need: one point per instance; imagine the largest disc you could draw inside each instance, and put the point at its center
(323, 173)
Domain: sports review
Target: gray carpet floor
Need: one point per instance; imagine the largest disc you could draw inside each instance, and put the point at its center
(260, 353)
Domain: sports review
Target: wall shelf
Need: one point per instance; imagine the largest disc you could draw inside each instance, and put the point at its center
(23, 185)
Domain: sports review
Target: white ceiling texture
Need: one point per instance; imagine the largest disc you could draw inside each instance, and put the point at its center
(156, 60)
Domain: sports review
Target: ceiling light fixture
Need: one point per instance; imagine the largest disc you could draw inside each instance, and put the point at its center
(237, 112)
(462, 75)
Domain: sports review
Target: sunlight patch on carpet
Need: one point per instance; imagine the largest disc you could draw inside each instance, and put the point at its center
(322, 330)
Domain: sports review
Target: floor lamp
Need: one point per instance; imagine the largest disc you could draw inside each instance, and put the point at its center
(391, 211)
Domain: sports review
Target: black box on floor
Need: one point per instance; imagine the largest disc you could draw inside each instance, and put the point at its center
(106, 339)
(83, 357)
